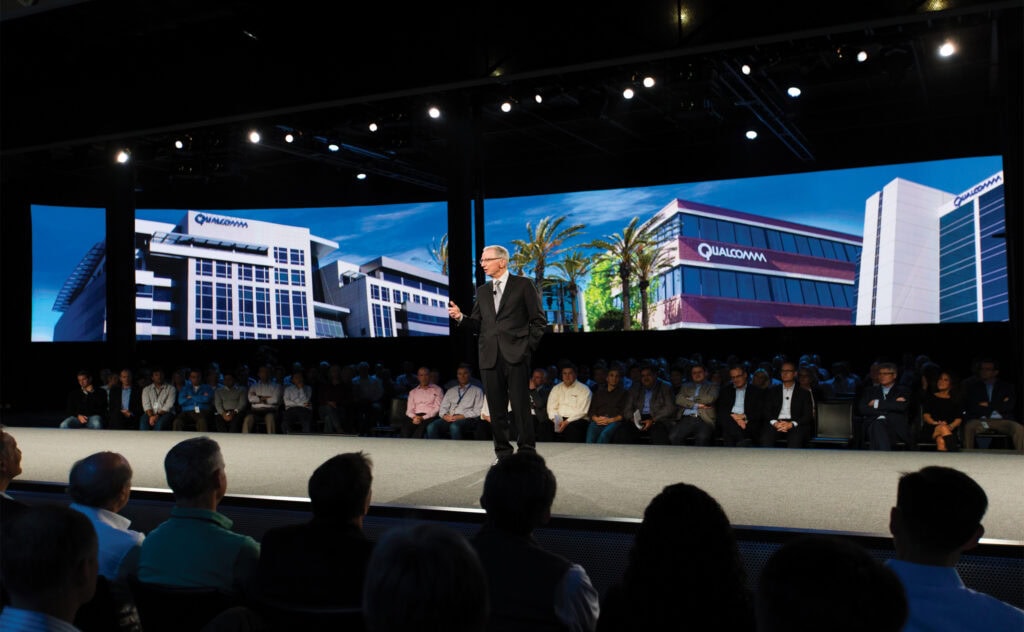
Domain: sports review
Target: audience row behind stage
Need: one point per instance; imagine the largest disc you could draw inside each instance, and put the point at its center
(652, 401)
(684, 568)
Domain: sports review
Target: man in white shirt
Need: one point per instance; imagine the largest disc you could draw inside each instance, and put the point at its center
(99, 486)
(460, 409)
(298, 404)
(937, 517)
(568, 403)
(789, 410)
(158, 400)
(264, 400)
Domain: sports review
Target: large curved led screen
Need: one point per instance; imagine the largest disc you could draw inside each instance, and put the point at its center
(892, 244)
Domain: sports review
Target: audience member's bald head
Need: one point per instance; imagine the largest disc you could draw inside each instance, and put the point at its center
(101, 480)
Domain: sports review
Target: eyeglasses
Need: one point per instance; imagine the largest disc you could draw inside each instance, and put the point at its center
(486, 259)
(887, 372)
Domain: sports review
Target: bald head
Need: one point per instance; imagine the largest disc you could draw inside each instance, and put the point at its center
(101, 480)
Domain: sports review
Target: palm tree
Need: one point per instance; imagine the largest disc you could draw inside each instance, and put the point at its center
(650, 261)
(622, 249)
(574, 267)
(440, 253)
(520, 260)
(545, 243)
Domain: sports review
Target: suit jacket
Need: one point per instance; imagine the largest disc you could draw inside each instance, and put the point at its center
(515, 329)
(753, 403)
(708, 395)
(114, 416)
(1003, 400)
(801, 410)
(888, 406)
(322, 562)
(663, 402)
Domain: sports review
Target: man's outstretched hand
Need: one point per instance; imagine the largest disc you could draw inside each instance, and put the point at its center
(454, 311)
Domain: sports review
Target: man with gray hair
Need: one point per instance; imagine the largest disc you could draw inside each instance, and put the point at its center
(99, 486)
(195, 547)
(509, 320)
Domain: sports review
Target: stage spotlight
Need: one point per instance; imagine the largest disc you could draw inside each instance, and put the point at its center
(333, 147)
(506, 106)
(122, 156)
(648, 82)
(254, 137)
(179, 145)
(360, 176)
(745, 69)
(373, 127)
(434, 112)
(947, 49)
(289, 138)
(751, 134)
(628, 93)
(862, 56)
(538, 98)
(793, 91)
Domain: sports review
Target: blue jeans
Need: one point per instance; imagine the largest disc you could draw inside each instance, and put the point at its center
(602, 434)
(95, 422)
(461, 429)
(163, 422)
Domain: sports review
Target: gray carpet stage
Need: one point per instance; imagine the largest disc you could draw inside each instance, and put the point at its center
(815, 489)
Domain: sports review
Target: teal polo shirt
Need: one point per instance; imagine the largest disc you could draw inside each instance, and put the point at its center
(197, 548)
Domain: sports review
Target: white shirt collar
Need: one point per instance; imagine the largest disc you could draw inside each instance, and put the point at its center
(103, 515)
(503, 279)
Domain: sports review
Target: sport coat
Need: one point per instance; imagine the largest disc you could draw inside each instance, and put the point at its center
(708, 395)
(114, 415)
(888, 406)
(663, 402)
(801, 409)
(1002, 401)
(753, 403)
(515, 329)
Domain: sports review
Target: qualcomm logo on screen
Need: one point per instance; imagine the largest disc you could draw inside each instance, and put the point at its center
(223, 221)
(707, 251)
(966, 195)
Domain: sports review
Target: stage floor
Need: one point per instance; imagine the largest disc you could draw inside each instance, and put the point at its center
(815, 489)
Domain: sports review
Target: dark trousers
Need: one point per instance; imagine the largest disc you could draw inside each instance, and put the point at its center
(410, 430)
(509, 383)
(297, 415)
(733, 435)
(795, 437)
(884, 433)
(691, 425)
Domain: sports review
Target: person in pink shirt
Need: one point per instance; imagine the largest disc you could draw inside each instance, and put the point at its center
(423, 405)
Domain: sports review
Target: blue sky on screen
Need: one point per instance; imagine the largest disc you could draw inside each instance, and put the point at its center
(826, 199)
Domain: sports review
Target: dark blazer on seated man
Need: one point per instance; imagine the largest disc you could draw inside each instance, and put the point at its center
(116, 418)
(733, 433)
(800, 416)
(884, 409)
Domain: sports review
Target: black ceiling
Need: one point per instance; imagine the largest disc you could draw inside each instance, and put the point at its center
(80, 79)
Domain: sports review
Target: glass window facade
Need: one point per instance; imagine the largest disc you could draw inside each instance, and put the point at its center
(743, 234)
(696, 281)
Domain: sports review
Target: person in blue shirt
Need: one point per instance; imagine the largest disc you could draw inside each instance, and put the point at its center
(195, 400)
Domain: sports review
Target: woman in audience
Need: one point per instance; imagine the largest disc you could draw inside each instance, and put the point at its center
(684, 570)
(942, 413)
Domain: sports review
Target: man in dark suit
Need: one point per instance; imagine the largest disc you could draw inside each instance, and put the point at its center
(884, 409)
(789, 411)
(322, 562)
(124, 403)
(509, 320)
(653, 404)
(990, 404)
(740, 409)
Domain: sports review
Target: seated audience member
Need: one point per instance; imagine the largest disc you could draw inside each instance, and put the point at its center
(195, 547)
(696, 401)
(942, 412)
(568, 403)
(264, 400)
(684, 570)
(788, 409)
(884, 409)
(124, 402)
(298, 404)
(807, 379)
(530, 588)
(761, 379)
(842, 384)
(652, 404)
(460, 409)
(816, 583)
(321, 562)
(538, 391)
(608, 407)
(99, 486)
(195, 403)
(422, 406)
(740, 408)
(230, 401)
(368, 398)
(157, 403)
(937, 517)
(10, 467)
(48, 557)
(335, 402)
(424, 578)
(87, 405)
(990, 405)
